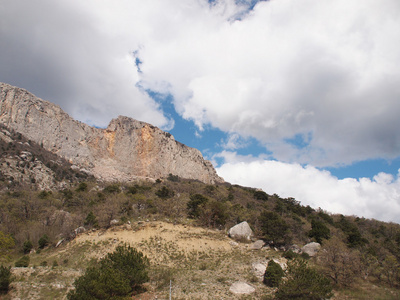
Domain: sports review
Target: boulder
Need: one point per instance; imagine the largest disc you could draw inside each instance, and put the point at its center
(241, 231)
(79, 230)
(114, 222)
(259, 269)
(311, 248)
(257, 245)
(241, 288)
(294, 248)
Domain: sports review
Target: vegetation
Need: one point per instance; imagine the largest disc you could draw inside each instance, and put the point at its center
(304, 282)
(116, 276)
(273, 274)
(5, 279)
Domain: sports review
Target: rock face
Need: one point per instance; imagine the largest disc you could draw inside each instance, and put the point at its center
(125, 150)
(241, 231)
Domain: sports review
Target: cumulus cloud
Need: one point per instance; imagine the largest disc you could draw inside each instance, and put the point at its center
(77, 54)
(377, 198)
(320, 69)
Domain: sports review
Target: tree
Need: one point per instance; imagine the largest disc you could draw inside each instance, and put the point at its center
(91, 220)
(43, 241)
(5, 279)
(195, 204)
(6, 242)
(165, 192)
(319, 231)
(339, 263)
(27, 246)
(305, 283)
(261, 195)
(273, 274)
(116, 276)
(273, 227)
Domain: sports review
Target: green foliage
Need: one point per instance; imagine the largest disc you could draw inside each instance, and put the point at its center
(194, 205)
(173, 178)
(91, 220)
(304, 282)
(273, 274)
(273, 227)
(23, 262)
(354, 238)
(27, 246)
(43, 241)
(82, 186)
(6, 242)
(165, 192)
(319, 231)
(5, 279)
(290, 255)
(112, 189)
(261, 195)
(115, 277)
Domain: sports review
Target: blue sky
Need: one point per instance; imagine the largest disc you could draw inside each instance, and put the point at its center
(297, 97)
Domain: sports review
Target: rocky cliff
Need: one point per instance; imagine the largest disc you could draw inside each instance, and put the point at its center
(125, 150)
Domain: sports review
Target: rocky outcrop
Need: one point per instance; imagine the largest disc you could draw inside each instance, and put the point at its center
(125, 150)
(241, 288)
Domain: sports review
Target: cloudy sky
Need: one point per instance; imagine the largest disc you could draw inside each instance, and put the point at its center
(298, 97)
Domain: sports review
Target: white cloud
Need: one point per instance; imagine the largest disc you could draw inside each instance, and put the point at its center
(318, 68)
(378, 198)
(327, 69)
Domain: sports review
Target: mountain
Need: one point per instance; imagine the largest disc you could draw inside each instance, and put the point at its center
(126, 150)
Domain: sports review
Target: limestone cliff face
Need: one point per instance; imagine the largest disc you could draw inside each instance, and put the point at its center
(125, 150)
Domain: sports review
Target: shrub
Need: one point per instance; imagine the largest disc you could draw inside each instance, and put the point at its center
(112, 189)
(273, 274)
(261, 195)
(273, 227)
(6, 241)
(82, 187)
(305, 283)
(319, 231)
(5, 279)
(165, 192)
(290, 255)
(91, 220)
(43, 241)
(115, 277)
(23, 262)
(27, 246)
(194, 205)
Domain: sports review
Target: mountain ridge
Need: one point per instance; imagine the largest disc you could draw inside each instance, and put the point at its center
(124, 151)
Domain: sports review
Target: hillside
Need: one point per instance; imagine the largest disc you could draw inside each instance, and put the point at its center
(189, 247)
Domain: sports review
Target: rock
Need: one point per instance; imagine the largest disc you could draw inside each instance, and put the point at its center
(114, 222)
(282, 262)
(79, 230)
(241, 231)
(233, 244)
(257, 245)
(241, 288)
(259, 269)
(311, 248)
(124, 151)
(294, 248)
(59, 243)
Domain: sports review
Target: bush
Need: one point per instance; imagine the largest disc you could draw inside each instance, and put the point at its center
(319, 231)
(305, 283)
(23, 262)
(43, 241)
(273, 274)
(91, 220)
(27, 247)
(112, 189)
(82, 187)
(195, 204)
(116, 276)
(165, 192)
(273, 227)
(261, 195)
(6, 242)
(5, 279)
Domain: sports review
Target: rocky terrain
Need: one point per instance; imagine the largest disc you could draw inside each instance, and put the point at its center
(125, 150)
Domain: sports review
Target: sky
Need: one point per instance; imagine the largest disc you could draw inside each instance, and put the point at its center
(300, 98)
